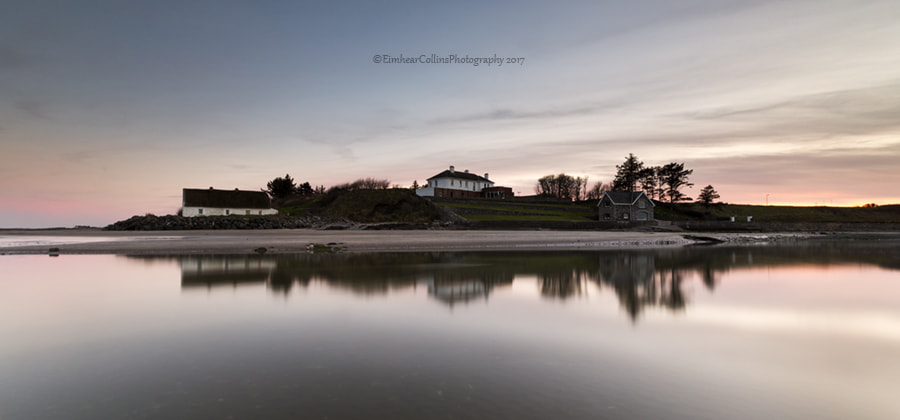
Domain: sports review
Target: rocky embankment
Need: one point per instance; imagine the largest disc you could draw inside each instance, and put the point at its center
(151, 222)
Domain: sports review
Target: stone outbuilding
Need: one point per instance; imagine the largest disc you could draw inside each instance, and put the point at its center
(624, 206)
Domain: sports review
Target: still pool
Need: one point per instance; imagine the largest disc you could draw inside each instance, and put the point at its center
(789, 332)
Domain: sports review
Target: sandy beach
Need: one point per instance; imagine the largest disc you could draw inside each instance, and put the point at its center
(92, 241)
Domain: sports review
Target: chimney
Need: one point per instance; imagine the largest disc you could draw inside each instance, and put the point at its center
(467, 171)
(451, 169)
(486, 175)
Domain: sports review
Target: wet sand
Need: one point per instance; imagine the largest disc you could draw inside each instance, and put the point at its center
(298, 240)
(93, 241)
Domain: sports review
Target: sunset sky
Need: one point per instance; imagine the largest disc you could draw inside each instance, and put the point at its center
(109, 109)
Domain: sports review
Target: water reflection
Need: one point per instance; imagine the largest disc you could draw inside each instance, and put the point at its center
(639, 279)
(762, 332)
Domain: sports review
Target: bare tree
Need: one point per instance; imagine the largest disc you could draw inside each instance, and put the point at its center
(596, 192)
(560, 186)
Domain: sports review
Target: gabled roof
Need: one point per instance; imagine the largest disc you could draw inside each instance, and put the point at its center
(625, 197)
(461, 175)
(225, 198)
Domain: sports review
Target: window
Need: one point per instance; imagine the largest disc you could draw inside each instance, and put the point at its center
(248, 212)
(199, 211)
(642, 204)
(227, 212)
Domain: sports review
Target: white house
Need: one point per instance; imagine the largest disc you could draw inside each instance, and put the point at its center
(212, 202)
(453, 184)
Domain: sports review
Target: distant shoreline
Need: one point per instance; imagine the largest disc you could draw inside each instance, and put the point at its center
(305, 240)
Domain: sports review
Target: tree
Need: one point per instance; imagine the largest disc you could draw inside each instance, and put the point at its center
(281, 187)
(708, 196)
(362, 184)
(560, 186)
(675, 177)
(597, 191)
(415, 185)
(371, 184)
(305, 189)
(628, 174)
(649, 180)
(579, 188)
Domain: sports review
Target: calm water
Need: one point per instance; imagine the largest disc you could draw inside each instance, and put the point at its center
(796, 332)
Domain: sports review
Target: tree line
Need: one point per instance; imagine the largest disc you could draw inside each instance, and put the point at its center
(663, 183)
(284, 187)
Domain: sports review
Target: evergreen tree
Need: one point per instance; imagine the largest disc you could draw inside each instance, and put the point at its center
(281, 187)
(708, 196)
(628, 174)
(675, 177)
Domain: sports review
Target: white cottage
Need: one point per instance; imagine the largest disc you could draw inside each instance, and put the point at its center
(212, 202)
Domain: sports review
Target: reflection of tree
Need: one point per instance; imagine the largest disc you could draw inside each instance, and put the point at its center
(564, 282)
(671, 295)
(638, 283)
(631, 277)
(639, 278)
(708, 275)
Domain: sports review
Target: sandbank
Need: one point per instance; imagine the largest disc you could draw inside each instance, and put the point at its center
(95, 241)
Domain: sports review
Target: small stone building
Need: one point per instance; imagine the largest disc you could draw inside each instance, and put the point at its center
(212, 202)
(624, 206)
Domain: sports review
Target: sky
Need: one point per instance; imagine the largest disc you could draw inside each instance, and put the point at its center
(108, 109)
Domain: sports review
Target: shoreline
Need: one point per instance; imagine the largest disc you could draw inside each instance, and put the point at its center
(95, 241)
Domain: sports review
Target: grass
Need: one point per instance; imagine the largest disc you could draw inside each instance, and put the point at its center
(402, 205)
(524, 218)
(821, 214)
(365, 205)
(478, 210)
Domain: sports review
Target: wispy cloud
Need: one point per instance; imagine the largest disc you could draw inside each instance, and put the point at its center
(33, 108)
(868, 110)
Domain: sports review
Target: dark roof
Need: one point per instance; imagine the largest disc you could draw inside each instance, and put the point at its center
(625, 197)
(225, 198)
(461, 175)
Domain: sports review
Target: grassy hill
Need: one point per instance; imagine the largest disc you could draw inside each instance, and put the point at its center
(401, 205)
(397, 205)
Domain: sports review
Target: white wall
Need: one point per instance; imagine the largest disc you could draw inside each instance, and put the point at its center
(458, 184)
(425, 192)
(217, 211)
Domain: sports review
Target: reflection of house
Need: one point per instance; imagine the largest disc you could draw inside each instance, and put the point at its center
(219, 270)
(623, 206)
(197, 202)
(453, 184)
(453, 288)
